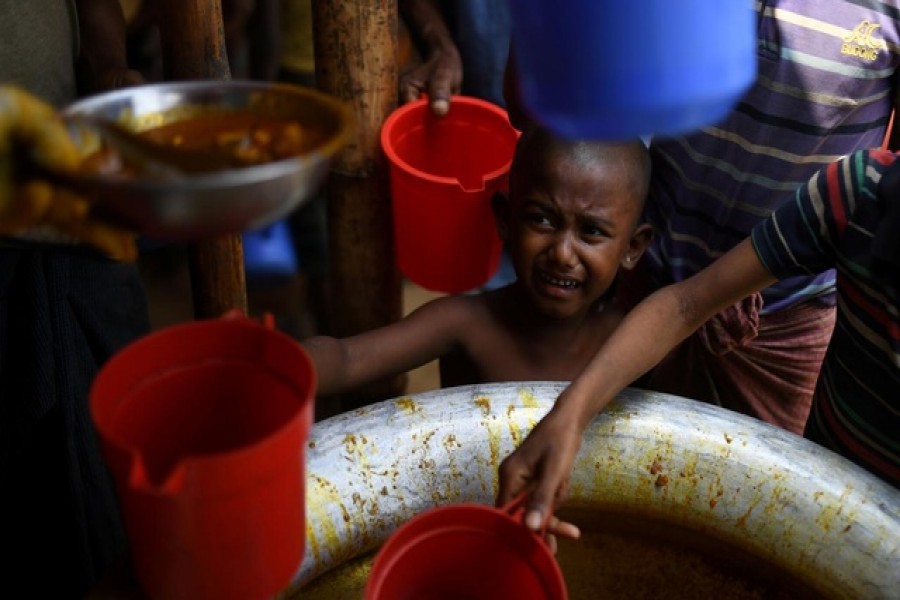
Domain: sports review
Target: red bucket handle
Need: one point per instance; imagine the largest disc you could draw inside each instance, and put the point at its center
(516, 509)
(236, 314)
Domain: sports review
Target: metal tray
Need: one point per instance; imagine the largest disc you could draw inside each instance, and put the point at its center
(206, 205)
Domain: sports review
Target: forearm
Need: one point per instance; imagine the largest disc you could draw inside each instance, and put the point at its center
(331, 362)
(643, 339)
(659, 323)
(426, 22)
(347, 363)
(426, 334)
(102, 33)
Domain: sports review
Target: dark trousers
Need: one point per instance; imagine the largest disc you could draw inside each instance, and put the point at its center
(63, 312)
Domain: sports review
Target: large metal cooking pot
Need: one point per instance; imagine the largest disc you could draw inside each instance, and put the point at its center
(824, 520)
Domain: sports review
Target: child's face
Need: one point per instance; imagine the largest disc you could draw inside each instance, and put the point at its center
(570, 227)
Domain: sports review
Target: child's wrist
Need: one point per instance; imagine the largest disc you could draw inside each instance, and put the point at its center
(575, 408)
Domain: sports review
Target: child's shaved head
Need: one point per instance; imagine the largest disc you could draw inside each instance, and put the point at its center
(537, 146)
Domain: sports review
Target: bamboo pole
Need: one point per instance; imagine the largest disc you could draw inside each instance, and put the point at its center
(193, 47)
(356, 60)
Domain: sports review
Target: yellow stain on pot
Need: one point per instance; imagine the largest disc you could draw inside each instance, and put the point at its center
(407, 405)
(527, 399)
(451, 445)
(495, 434)
(631, 459)
(646, 472)
(484, 404)
(514, 432)
(831, 516)
(530, 405)
(321, 534)
(494, 430)
(362, 520)
(358, 453)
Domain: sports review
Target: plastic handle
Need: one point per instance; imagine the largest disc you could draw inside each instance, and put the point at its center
(516, 509)
(236, 314)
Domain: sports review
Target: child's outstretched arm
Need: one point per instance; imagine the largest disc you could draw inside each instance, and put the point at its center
(426, 334)
(543, 461)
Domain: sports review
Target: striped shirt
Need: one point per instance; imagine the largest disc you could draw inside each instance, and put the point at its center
(830, 225)
(823, 90)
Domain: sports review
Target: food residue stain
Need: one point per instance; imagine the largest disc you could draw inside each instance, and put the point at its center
(321, 495)
(407, 405)
(528, 399)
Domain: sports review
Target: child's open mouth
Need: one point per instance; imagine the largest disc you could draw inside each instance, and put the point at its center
(562, 282)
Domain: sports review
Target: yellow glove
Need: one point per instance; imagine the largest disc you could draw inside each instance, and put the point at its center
(28, 126)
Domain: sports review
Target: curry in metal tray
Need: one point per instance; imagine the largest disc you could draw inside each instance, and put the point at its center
(624, 557)
(212, 142)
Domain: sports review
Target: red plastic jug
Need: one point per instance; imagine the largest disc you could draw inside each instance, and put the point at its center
(468, 551)
(444, 171)
(204, 427)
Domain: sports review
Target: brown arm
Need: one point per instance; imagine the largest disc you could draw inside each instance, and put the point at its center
(661, 322)
(102, 62)
(441, 73)
(425, 335)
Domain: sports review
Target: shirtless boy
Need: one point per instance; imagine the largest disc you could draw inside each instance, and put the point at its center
(570, 221)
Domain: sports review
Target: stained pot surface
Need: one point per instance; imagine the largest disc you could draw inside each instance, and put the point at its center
(767, 492)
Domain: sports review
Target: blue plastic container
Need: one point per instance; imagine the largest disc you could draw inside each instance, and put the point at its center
(616, 69)
(269, 257)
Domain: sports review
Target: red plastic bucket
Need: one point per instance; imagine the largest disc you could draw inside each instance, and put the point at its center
(204, 428)
(467, 551)
(444, 171)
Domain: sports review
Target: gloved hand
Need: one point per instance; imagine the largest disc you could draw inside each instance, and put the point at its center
(31, 130)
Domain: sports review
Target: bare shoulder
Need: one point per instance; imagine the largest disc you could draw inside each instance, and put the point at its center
(454, 311)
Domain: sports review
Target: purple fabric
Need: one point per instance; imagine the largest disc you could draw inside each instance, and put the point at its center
(816, 99)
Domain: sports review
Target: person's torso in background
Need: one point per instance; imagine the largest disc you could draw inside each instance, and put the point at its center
(38, 47)
(297, 51)
(836, 222)
(826, 70)
(481, 30)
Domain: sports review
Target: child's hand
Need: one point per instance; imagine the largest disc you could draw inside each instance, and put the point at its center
(542, 463)
(557, 528)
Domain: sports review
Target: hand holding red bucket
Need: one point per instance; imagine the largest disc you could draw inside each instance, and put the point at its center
(204, 427)
(470, 551)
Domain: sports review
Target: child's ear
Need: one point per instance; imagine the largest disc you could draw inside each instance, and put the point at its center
(500, 206)
(640, 239)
